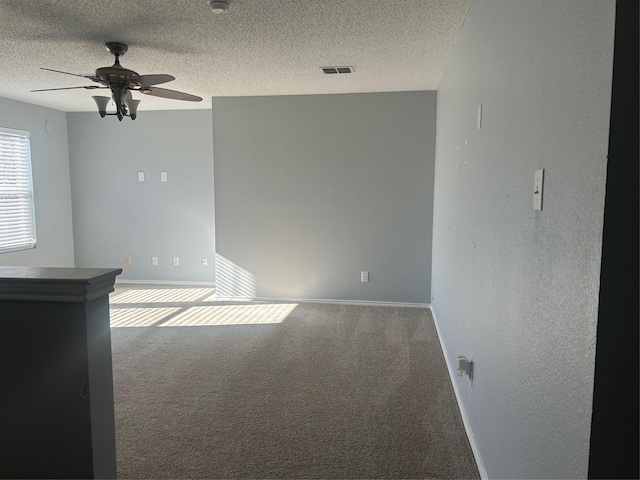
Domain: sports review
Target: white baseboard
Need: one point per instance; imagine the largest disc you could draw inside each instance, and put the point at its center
(368, 303)
(164, 282)
(465, 419)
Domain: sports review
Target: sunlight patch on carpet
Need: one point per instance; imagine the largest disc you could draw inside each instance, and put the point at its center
(139, 317)
(156, 295)
(232, 315)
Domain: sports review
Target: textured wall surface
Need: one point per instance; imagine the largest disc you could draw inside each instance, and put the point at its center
(515, 289)
(116, 215)
(312, 190)
(50, 169)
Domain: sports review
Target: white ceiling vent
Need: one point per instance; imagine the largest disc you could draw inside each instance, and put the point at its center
(331, 70)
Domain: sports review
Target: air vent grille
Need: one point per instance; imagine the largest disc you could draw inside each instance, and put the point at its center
(333, 70)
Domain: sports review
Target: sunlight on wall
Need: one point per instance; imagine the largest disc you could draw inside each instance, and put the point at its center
(231, 315)
(233, 281)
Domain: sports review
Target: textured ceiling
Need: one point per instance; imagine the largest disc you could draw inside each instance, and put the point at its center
(259, 47)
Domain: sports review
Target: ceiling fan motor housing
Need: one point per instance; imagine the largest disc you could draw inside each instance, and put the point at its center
(117, 75)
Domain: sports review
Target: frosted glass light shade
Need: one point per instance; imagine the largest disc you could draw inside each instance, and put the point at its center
(102, 103)
(132, 105)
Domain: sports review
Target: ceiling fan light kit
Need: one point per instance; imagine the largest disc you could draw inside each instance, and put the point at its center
(122, 81)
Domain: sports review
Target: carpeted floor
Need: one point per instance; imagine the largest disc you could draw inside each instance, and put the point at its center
(207, 389)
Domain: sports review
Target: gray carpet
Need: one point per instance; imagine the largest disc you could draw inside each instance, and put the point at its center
(207, 389)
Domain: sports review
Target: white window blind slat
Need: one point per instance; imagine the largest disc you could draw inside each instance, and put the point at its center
(17, 217)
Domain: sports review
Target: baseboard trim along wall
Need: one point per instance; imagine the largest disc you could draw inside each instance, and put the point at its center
(465, 419)
(367, 303)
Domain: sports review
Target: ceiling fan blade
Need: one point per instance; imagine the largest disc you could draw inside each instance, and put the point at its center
(87, 87)
(148, 80)
(90, 77)
(166, 93)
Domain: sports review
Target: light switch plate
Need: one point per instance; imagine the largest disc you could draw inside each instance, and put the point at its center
(538, 185)
(364, 277)
(176, 261)
(163, 176)
(141, 176)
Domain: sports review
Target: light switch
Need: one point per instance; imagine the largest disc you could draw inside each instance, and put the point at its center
(141, 176)
(163, 176)
(538, 184)
(154, 260)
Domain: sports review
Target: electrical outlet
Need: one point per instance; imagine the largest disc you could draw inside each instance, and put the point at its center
(154, 260)
(364, 277)
(127, 260)
(176, 261)
(204, 262)
(465, 367)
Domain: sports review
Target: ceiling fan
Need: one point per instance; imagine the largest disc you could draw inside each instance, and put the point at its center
(122, 81)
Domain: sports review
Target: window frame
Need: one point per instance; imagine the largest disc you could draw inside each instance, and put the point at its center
(26, 191)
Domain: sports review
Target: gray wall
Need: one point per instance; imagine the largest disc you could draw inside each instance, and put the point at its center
(115, 215)
(312, 190)
(50, 168)
(515, 289)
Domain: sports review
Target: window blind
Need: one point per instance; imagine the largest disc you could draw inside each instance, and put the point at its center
(17, 217)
